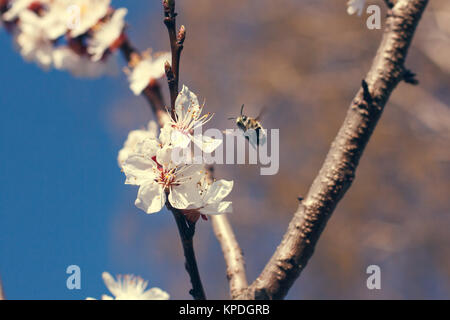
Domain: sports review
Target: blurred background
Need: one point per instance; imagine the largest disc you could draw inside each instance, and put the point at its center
(62, 197)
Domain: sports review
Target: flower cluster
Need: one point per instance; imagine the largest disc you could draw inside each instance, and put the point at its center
(149, 162)
(73, 35)
(130, 287)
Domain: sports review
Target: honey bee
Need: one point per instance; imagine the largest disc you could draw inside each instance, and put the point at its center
(252, 128)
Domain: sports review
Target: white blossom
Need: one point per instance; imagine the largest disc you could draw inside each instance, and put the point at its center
(91, 11)
(355, 6)
(16, 7)
(130, 287)
(33, 40)
(151, 168)
(65, 58)
(147, 69)
(106, 34)
(188, 118)
(211, 196)
(135, 137)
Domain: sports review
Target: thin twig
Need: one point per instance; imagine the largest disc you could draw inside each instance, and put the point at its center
(338, 170)
(176, 46)
(186, 230)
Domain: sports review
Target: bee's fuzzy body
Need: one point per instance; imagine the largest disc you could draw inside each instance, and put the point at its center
(246, 123)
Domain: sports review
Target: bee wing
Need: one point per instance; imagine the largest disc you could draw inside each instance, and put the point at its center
(262, 136)
(255, 137)
(261, 113)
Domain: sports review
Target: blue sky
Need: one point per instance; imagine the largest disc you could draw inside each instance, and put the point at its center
(60, 185)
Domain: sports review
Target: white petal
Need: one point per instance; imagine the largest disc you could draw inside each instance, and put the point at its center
(217, 208)
(184, 101)
(151, 198)
(134, 138)
(138, 169)
(182, 196)
(207, 144)
(218, 191)
(164, 156)
(147, 147)
(112, 285)
(179, 139)
(191, 173)
(156, 294)
(152, 128)
(166, 134)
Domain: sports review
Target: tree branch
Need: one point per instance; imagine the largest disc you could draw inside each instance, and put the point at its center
(176, 46)
(232, 254)
(231, 251)
(221, 225)
(338, 170)
(186, 230)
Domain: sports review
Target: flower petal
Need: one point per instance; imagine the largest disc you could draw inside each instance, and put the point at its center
(182, 196)
(156, 294)
(217, 208)
(184, 101)
(112, 285)
(207, 144)
(218, 191)
(138, 169)
(179, 139)
(164, 156)
(151, 197)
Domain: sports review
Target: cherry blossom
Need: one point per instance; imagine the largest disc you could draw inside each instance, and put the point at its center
(33, 40)
(106, 34)
(16, 7)
(147, 69)
(135, 137)
(90, 13)
(65, 58)
(188, 118)
(130, 287)
(151, 168)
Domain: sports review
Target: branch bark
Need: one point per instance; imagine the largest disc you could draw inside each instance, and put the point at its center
(338, 170)
(186, 230)
(231, 250)
(176, 46)
(232, 254)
